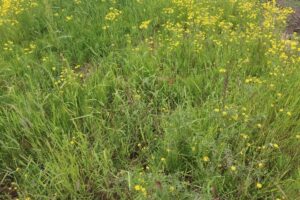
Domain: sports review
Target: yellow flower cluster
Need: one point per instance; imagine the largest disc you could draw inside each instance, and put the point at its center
(254, 80)
(140, 189)
(168, 10)
(8, 46)
(29, 49)
(273, 15)
(68, 76)
(9, 9)
(113, 14)
(145, 24)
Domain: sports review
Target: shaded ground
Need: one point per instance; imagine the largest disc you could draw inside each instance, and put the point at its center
(294, 20)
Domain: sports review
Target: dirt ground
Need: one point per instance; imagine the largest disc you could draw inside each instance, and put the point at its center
(294, 20)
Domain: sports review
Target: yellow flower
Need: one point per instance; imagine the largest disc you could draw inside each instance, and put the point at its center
(245, 136)
(105, 27)
(222, 70)
(77, 2)
(289, 113)
(145, 24)
(137, 187)
(69, 18)
(168, 10)
(172, 188)
(205, 159)
(259, 185)
(276, 146)
(113, 14)
(260, 165)
(143, 190)
(233, 168)
(163, 159)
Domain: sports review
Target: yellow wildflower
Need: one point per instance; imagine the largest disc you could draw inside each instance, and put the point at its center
(217, 110)
(172, 188)
(168, 10)
(222, 70)
(233, 168)
(113, 14)
(259, 185)
(137, 187)
(145, 24)
(205, 159)
(69, 18)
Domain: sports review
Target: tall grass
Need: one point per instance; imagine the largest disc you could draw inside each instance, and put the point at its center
(158, 99)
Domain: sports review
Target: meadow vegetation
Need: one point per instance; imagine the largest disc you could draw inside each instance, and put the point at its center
(148, 99)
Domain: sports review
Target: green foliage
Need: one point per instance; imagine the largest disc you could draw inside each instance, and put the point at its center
(160, 99)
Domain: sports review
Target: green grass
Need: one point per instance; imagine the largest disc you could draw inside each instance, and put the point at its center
(203, 103)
